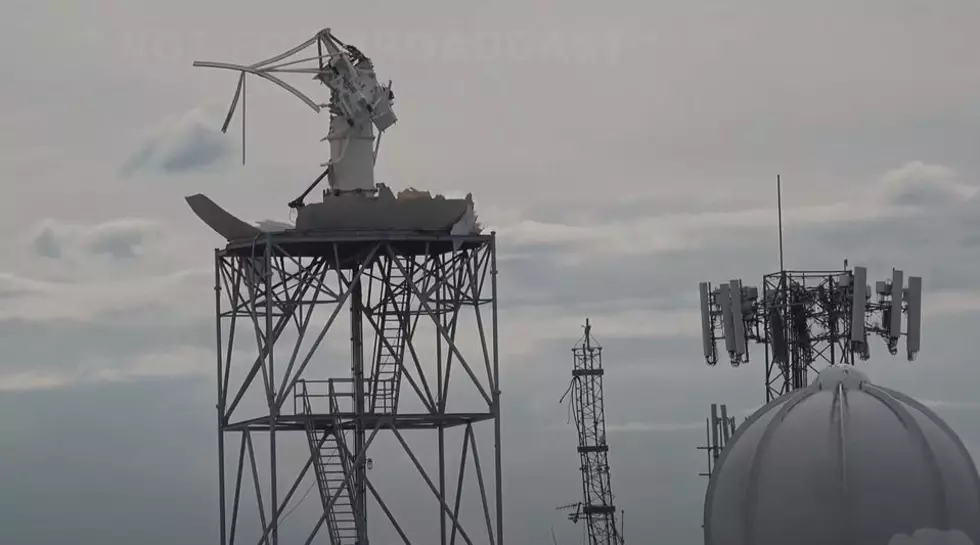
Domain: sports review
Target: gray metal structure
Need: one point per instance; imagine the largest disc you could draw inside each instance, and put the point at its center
(847, 462)
(358, 105)
(807, 320)
(407, 297)
(719, 429)
(412, 281)
(588, 407)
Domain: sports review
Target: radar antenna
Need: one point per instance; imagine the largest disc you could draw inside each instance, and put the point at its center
(358, 105)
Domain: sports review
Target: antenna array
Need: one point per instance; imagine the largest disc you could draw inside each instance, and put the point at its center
(805, 318)
(719, 430)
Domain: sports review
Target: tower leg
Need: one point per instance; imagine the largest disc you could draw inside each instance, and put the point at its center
(357, 373)
(498, 466)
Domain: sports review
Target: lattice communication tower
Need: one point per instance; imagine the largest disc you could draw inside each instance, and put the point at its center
(597, 506)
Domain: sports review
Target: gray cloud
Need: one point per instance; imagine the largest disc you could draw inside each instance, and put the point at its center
(148, 343)
(920, 184)
(46, 244)
(120, 239)
(16, 287)
(187, 143)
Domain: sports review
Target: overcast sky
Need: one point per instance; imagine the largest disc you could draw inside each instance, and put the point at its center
(623, 151)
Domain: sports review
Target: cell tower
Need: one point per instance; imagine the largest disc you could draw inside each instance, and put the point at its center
(809, 319)
(719, 429)
(597, 506)
(410, 276)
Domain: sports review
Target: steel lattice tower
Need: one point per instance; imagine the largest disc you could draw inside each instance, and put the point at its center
(590, 421)
(810, 327)
(408, 297)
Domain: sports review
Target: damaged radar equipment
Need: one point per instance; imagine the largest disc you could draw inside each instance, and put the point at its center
(360, 111)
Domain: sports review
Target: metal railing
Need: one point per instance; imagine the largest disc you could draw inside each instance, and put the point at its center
(329, 396)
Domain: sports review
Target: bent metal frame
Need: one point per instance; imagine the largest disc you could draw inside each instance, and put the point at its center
(409, 297)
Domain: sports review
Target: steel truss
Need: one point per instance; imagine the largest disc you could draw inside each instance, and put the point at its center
(808, 318)
(590, 420)
(407, 299)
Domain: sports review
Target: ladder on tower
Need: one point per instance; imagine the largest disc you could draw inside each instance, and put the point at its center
(333, 466)
(390, 346)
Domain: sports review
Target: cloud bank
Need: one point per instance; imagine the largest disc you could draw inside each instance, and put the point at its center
(123, 238)
(190, 142)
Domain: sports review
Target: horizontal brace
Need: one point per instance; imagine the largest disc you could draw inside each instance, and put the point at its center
(326, 422)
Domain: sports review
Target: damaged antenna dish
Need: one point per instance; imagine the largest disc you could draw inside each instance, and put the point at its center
(359, 105)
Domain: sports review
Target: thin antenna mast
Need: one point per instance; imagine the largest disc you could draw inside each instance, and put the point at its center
(243, 118)
(779, 211)
(719, 430)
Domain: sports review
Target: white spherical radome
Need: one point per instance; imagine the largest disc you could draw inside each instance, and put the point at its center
(843, 462)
